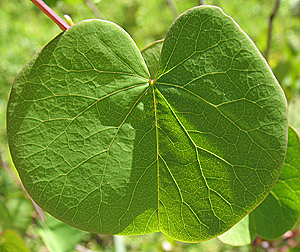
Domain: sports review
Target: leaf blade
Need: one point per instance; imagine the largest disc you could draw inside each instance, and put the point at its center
(284, 197)
(106, 150)
(71, 139)
(232, 112)
(279, 212)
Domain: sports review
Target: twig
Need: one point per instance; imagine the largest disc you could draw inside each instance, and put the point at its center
(201, 2)
(173, 8)
(276, 6)
(50, 13)
(9, 170)
(118, 244)
(94, 9)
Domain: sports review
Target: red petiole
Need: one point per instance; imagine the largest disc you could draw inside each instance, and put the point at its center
(50, 13)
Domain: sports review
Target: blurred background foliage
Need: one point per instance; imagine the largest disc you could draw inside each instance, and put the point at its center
(24, 30)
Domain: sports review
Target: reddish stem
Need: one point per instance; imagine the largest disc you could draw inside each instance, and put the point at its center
(50, 13)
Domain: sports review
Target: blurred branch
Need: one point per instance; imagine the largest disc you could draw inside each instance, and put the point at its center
(173, 8)
(201, 2)
(51, 14)
(9, 170)
(276, 6)
(94, 9)
(118, 244)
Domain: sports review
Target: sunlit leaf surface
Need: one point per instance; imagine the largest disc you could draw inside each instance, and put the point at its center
(280, 211)
(105, 149)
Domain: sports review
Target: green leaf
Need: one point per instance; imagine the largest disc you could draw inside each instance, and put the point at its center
(80, 117)
(240, 234)
(151, 56)
(280, 211)
(12, 242)
(294, 118)
(284, 197)
(216, 119)
(58, 236)
(105, 149)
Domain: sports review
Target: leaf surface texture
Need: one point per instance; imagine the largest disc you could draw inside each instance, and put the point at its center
(105, 149)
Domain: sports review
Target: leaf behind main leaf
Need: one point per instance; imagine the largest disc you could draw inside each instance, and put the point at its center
(293, 115)
(151, 56)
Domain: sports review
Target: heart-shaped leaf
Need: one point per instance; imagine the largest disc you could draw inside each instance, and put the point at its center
(280, 211)
(102, 147)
